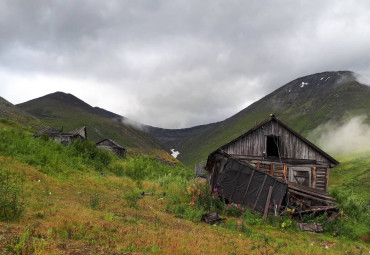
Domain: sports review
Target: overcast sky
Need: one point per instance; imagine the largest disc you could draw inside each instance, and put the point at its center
(175, 63)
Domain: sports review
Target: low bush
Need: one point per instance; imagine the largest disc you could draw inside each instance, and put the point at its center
(12, 202)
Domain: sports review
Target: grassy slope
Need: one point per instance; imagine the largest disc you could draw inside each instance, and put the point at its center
(303, 112)
(64, 110)
(59, 219)
(11, 112)
(353, 174)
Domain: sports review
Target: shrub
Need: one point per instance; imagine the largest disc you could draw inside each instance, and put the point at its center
(94, 201)
(132, 197)
(11, 200)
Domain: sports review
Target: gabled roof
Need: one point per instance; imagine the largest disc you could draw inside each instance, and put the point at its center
(274, 118)
(47, 130)
(111, 141)
(78, 131)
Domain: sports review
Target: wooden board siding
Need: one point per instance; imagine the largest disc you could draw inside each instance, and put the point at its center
(116, 150)
(291, 146)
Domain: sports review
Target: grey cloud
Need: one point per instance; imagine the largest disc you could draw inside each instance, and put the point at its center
(184, 62)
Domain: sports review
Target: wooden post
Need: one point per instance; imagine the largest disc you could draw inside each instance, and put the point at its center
(284, 171)
(271, 169)
(258, 165)
(327, 179)
(259, 192)
(267, 204)
(313, 180)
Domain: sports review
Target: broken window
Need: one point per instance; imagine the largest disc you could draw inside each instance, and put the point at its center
(300, 175)
(272, 145)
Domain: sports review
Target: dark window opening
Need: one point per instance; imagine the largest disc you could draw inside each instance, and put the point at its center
(272, 144)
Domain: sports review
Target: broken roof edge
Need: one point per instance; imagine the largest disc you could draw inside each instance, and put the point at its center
(47, 130)
(274, 118)
(223, 153)
(112, 141)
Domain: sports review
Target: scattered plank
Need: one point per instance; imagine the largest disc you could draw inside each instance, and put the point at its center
(211, 218)
(267, 204)
(311, 227)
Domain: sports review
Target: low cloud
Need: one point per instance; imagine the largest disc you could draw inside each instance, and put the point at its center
(134, 124)
(343, 138)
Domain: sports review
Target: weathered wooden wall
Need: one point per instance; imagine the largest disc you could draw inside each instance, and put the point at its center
(114, 149)
(291, 147)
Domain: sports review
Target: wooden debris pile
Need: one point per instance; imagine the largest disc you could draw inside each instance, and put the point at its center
(211, 218)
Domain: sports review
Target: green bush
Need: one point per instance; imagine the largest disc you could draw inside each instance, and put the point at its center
(12, 203)
(132, 197)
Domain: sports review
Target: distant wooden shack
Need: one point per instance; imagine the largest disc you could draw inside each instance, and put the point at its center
(112, 146)
(275, 150)
(60, 136)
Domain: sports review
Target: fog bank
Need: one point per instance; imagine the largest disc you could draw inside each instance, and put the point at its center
(343, 138)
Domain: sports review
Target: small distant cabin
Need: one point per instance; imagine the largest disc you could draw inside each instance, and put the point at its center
(276, 150)
(112, 146)
(63, 137)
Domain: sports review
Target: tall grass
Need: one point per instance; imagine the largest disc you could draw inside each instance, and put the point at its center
(51, 157)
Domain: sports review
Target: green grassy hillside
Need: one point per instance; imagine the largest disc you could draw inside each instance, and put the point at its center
(11, 112)
(80, 200)
(65, 110)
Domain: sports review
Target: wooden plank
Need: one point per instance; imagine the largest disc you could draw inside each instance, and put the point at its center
(249, 183)
(271, 169)
(267, 204)
(258, 164)
(259, 192)
(313, 179)
(293, 184)
(285, 171)
(327, 179)
(311, 197)
(312, 194)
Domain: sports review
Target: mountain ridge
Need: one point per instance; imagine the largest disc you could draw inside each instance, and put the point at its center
(303, 104)
(62, 109)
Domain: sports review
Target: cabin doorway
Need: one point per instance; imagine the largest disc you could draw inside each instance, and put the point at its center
(300, 175)
(272, 146)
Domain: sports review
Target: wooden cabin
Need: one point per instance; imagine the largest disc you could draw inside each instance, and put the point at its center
(277, 149)
(63, 137)
(112, 146)
(273, 149)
